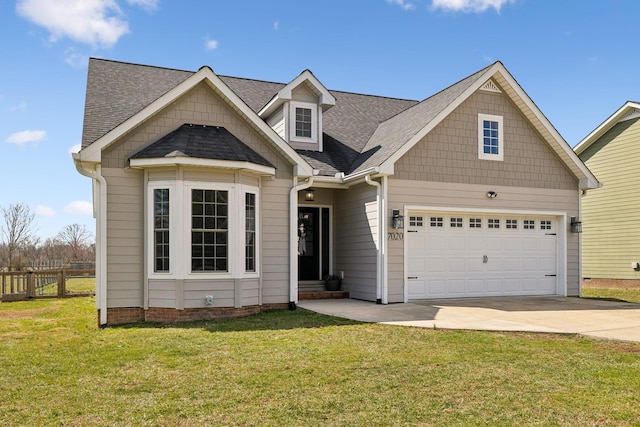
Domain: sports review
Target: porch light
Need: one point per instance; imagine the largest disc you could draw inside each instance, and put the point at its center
(576, 225)
(492, 194)
(308, 195)
(397, 220)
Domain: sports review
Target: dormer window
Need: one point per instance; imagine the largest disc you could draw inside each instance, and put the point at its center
(304, 122)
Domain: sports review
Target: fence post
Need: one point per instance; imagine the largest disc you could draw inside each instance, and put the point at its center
(31, 285)
(62, 281)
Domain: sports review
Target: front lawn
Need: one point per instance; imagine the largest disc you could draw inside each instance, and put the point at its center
(298, 368)
(630, 294)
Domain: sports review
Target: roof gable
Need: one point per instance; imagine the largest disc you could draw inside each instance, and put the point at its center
(92, 152)
(325, 99)
(630, 110)
(396, 136)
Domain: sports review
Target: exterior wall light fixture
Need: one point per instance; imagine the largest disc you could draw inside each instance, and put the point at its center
(576, 225)
(492, 194)
(397, 220)
(309, 196)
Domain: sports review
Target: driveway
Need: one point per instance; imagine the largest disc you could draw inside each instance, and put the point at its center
(590, 317)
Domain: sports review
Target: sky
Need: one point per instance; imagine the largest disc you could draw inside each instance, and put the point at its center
(577, 60)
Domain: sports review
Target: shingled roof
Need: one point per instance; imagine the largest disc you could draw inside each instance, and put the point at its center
(204, 142)
(359, 132)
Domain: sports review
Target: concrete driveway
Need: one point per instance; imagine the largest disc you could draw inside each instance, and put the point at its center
(589, 317)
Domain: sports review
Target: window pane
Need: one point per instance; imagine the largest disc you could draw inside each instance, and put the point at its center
(209, 221)
(303, 122)
(250, 231)
(161, 229)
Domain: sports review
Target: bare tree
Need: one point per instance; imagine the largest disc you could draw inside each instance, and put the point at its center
(77, 239)
(16, 230)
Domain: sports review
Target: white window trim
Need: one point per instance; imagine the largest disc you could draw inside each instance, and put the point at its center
(292, 122)
(481, 154)
(180, 230)
(253, 190)
(151, 187)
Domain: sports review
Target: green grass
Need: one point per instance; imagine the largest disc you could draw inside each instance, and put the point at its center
(297, 368)
(619, 294)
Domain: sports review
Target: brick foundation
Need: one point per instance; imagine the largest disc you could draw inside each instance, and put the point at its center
(610, 283)
(123, 315)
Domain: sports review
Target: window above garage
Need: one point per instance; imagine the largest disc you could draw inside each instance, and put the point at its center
(490, 137)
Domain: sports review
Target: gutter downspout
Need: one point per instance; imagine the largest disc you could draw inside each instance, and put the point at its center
(101, 236)
(381, 242)
(293, 243)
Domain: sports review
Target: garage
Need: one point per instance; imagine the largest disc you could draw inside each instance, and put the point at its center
(454, 255)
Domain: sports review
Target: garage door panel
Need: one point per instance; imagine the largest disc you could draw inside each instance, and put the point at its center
(475, 260)
(456, 287)
(547, 244)
(437, 288)
(437, 265)
(511, 243)
(457, 242)
(475, 286)
(494, 286)
(417, 242)
(417, 265)
(437, 243)
(512, 264)
(475, 243)
(456, 265)
(492, 243)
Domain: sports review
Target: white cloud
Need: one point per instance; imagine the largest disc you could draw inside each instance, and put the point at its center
(75, 148)
(26, 136)
(149, 5)
(79, 207)
(75, 59)
(210, 44)
(99, 23)
(469, 5)
(404, 4)
(276, 25)
(44, 211)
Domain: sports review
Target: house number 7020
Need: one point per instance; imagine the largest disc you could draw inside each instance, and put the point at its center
(395, 236)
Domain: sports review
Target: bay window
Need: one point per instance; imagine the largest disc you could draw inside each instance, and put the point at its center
(202, 230)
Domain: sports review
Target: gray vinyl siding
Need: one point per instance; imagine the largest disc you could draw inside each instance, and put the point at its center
(356, 235)
(611, 236)
(125, 255)
(275, 241)
(402, 193)
(277, 122)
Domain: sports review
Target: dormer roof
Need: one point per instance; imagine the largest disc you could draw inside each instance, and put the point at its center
(325, 99)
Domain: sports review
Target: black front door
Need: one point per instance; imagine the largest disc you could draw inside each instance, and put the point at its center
(313, 243)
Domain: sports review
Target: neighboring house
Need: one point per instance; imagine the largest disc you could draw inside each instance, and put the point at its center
(611, 236)
(221, 196)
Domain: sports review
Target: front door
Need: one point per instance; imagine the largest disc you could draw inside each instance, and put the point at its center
(313, 243)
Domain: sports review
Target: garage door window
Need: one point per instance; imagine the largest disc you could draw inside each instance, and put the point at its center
(529, 224)
(512, 224)
(545, 225)
(475, 222)
(415, 221)
(436, 221)
(493, 223)
(455, 223)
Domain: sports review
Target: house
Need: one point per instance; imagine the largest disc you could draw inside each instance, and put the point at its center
(222, 196)
(611, 238)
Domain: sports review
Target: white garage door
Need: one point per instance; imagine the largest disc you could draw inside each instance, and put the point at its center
(467, 255)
